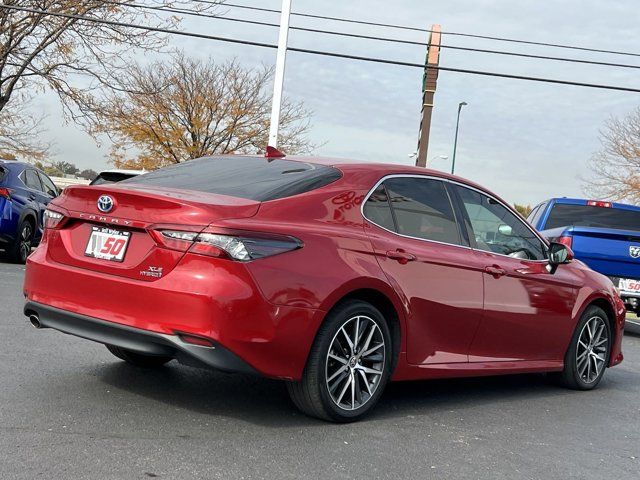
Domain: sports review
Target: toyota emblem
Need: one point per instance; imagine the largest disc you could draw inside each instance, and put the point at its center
(105, 203)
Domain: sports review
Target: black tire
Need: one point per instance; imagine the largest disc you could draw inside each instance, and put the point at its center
(138, 359)
(20, 250)
(312, 394)
(575, 374)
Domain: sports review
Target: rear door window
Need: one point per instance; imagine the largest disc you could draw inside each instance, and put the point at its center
(254, 178)
(422, 209)
(377, 209)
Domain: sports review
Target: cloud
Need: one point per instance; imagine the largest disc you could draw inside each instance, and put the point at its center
(527, 141)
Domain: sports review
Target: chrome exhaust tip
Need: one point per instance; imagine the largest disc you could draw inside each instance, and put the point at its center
(35, 321)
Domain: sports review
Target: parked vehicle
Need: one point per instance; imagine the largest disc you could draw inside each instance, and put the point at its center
(25, 192)
(332, 275)
(115, 175)
(604, 235)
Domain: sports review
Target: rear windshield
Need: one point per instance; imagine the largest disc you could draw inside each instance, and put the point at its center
(586, 216)
(110, 177)
(253, 178)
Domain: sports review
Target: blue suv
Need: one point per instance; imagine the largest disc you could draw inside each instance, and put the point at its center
(24, 194)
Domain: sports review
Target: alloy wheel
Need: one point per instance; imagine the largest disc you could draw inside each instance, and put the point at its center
(24, 246)
(593, 344)
(355, 362)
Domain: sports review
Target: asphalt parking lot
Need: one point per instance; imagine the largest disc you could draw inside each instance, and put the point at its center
(68, 409)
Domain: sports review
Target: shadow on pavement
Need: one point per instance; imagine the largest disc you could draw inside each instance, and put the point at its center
(266, 402)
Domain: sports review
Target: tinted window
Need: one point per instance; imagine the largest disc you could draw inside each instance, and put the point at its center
(31, 179)
(110, 177)
(49, 188)
(422, 209)
(586, 216)
(3, 173)
(254, 178)
(535, 216)
(532, 214)
(377, 209)
(497, 230)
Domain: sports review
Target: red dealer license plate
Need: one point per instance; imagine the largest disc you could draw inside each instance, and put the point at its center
(628, 285)
(107, 244)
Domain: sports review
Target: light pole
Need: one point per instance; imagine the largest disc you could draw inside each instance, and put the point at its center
(278, 79)
(455, 142)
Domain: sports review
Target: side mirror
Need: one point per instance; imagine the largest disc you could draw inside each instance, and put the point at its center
(559, 254)
(505, 230)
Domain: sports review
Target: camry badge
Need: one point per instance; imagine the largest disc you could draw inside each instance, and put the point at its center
(634, 251)
(105, 203)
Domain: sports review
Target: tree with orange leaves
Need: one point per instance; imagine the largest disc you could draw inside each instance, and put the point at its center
(74, 49)
(173, 111)
(616, 166)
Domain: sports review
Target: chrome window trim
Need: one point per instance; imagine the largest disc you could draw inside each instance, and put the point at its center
(21, 177)
(399, 175)
(447, 180)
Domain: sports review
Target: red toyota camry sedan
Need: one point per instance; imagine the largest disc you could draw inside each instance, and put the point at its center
(334, 276)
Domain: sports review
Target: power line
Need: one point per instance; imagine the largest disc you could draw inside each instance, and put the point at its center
(318, 52)
(377, 38)
(426, 30)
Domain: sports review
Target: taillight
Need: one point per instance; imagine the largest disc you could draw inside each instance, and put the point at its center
(5, 193)
(240, 246)
(597, 203)
(52, 219)
(566, 240)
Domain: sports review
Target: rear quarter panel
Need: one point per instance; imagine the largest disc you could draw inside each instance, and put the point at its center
(335, 260)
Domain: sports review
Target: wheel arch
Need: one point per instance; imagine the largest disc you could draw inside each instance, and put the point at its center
(382, 297)
(31, 215)
(603, 303)
(608, 309)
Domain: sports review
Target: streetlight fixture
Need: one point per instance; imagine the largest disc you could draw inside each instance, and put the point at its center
(455, 142)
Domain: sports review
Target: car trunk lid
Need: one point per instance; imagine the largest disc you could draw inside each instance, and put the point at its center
(136, 212)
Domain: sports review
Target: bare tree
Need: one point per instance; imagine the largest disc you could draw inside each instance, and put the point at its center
(172, 111)
(616, 166)
(21, 136)
(46, 44)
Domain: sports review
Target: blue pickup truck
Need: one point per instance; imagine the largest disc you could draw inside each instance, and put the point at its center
(604, 235)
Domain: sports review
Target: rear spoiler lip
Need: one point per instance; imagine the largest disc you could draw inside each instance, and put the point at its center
(185, 196)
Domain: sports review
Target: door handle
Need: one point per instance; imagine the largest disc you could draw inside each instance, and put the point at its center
(401, 256)
(495, 270)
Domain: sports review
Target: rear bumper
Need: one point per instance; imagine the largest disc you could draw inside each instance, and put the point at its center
(202, 296)
(141, 341)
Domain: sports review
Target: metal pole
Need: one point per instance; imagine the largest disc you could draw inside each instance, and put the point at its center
(455, 142)
(278, 80)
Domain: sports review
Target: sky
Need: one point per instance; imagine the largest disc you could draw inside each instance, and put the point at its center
(526, 141)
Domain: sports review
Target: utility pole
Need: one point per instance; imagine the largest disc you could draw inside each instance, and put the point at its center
(429, 83)
(278, 80)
